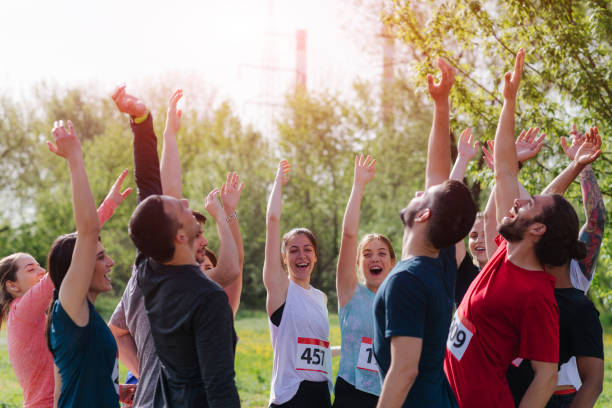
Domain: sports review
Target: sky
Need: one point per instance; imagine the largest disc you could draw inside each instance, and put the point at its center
(223, 44)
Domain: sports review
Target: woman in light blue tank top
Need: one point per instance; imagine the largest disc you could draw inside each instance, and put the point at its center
(358, 383)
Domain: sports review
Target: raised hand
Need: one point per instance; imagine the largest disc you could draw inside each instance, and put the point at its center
(513, 79)
(466, 146)
(230, 193)
(488, 154)
(590, 149)
(282, 173)
(173, 119)
(67, 144)
(365, 168)
(212, 205)
(127, 103)
(115, 193)
(528, 144)
(439, 92)
(577, 141)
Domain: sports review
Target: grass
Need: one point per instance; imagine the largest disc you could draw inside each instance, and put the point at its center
(253, 361)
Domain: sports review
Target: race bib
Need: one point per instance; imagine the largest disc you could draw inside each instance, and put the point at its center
(313, 355)
(459, 337)
(366, 356)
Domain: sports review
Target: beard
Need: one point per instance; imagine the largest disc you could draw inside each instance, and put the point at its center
(200, 255)
(514, 231)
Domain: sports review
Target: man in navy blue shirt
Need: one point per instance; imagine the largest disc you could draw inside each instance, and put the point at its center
(413, 306)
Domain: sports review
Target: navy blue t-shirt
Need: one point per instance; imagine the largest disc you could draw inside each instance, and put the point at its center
(416, 300)
(86, 358)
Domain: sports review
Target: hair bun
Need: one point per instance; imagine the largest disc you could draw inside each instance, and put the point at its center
(578, 250)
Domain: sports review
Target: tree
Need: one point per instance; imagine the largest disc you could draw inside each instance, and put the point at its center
(567, 77)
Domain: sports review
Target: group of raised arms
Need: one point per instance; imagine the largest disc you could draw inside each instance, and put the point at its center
(500, 322)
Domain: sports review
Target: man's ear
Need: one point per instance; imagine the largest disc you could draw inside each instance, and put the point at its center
(537, 228)
(423, 215)
(180, 237)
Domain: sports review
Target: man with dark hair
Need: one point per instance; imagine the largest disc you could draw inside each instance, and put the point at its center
(413, 306)
(509, 310)
(191, 321)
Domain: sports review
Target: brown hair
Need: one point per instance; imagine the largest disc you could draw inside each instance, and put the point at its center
(8, 272)
(211, 255)
(297, 231)
(58, 262)
(152, 230)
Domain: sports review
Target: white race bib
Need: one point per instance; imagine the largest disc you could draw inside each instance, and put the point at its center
(459, 337)
(366, 356)
(313, 355)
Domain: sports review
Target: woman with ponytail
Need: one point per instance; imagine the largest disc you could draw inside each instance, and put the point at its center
(25, 293)
(83, 348)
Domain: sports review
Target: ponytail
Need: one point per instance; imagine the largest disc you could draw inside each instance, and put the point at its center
(578, 251)
(58, 262)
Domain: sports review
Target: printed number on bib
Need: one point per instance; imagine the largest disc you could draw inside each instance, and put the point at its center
(313, 355)
(459, 337)
(366, 356)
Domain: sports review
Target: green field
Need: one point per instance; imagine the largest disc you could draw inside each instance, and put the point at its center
(253, 363)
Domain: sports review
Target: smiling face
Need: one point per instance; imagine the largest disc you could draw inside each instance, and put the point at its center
(477, 242)
(300, 257)
(521, 217)
(28, 274)
(199, 245)
(101, 281)
(179, 210)
(375, 261)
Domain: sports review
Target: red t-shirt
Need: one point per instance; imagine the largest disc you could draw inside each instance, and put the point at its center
(507, 312)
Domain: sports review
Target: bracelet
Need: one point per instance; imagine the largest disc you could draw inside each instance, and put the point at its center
(233, 216)
(141, 119)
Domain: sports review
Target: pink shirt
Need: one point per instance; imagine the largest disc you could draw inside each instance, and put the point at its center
(27, 345)
(25, 336)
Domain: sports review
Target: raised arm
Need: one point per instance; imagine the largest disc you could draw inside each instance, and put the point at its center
(438, 149)
(346, 276)
(230, 196)
(75, 286)
(586, 153)
(227, 269)
(146, 160)
(113, 199)
(170, 163)
(275, 279)
(504, 152)
(466, 151)
(592, 231)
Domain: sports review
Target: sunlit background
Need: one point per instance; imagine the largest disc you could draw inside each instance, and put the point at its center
(241, 50)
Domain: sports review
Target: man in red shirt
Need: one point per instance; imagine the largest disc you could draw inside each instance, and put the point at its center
(509, 310)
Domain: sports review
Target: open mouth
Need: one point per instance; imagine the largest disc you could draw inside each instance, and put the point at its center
(479, 248)
(107, 277)
(302, 265)
(376, 270)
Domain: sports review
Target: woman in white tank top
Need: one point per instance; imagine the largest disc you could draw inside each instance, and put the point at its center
(299, 327)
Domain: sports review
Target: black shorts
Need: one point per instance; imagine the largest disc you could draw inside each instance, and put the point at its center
(347, 396)
(310, 395)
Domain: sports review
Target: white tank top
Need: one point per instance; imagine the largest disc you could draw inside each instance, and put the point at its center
(300, 343)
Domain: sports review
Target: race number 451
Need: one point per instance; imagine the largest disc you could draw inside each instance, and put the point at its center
(313, 355)
(459, 337)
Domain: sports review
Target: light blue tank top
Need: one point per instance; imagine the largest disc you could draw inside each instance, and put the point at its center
(356, 323)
